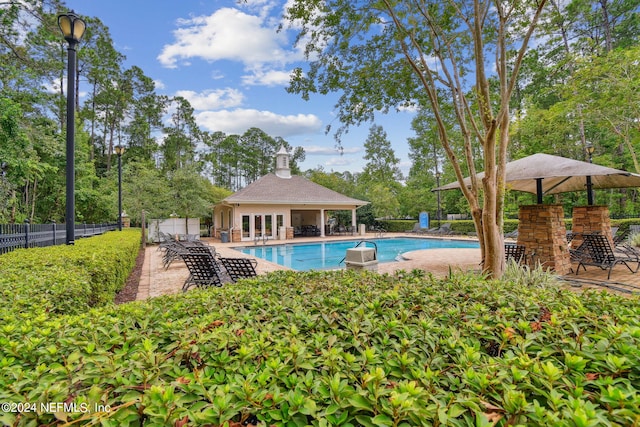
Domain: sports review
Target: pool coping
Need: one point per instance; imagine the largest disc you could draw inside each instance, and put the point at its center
(329, 239)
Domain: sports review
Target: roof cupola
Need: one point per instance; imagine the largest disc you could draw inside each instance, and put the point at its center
(282, 163)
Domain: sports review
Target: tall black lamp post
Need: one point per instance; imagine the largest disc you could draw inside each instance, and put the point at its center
(72, 28)
(590, 150)
(119, 150)
(438, 195)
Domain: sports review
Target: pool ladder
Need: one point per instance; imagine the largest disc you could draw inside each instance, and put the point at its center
(358, 244)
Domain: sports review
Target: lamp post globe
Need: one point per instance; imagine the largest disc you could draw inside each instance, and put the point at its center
(119, 149)
(72, 28)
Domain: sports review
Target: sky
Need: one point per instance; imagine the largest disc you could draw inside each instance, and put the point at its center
(228, 59)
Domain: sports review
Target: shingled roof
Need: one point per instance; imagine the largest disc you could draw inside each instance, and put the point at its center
(272, 189)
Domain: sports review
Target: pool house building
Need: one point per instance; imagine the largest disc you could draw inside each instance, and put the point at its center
(280, 206)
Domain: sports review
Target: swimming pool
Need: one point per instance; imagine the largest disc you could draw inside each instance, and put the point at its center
(327, 255)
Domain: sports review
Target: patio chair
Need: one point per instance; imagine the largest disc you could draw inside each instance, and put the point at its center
(172, 252)
(211, 251)
(512, 235)
(443, 229)
(202, 249)
(515, 252)
(239, 268)
(202, 269)
(619, 238)
(596, 250)
(416, 228)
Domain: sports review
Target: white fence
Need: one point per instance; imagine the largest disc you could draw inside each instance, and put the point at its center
(180, 228)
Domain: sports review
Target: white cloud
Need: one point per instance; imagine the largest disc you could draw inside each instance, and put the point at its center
(339, 161)
(319, 150)
(213, 99)
(239, 120)
(227, 34)
(261, 77)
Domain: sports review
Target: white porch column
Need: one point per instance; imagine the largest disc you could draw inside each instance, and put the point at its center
(322, 223)
(353, 219)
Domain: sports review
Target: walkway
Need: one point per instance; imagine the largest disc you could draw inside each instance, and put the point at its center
(156, 281)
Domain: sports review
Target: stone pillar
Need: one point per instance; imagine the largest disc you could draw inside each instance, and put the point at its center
(590, 219)
(126, 220)
(290, 233)
(542, 231)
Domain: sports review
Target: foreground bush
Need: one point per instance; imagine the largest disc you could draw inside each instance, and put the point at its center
(334, 348)
(67, 279)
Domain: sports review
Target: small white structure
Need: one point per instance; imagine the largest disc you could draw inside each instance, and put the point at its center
(179, 228)
(362, 258)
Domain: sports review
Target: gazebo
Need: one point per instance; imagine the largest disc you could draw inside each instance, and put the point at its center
(280, 206)
(541, 228)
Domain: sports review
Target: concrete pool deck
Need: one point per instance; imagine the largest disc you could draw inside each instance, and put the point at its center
(156, 281)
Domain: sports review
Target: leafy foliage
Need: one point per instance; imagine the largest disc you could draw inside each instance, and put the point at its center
(336, 348)
(66, 279)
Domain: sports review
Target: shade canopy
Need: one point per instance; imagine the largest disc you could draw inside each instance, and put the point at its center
(544, 174)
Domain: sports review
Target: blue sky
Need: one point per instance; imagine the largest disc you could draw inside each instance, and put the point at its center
(228, 60)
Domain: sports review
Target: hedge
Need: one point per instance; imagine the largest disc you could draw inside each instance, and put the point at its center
(467, 226)
(333, 348)
(67, 279)
(464, 226)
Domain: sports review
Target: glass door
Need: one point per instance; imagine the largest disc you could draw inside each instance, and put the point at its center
(268, 226)
(246, 232)
(279, 224)
(257, 227)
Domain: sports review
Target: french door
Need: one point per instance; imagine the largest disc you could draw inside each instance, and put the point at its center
(257, 226)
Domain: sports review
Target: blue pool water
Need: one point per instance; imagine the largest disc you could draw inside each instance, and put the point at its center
(327, 255)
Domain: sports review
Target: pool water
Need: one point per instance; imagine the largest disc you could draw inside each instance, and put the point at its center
(328, 255)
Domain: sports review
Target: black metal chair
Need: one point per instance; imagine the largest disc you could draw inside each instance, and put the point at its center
(515, 252)
(596, 250)
(239, 268)
(619, 238)
(215, 259)
(172, 251)
(203, 270)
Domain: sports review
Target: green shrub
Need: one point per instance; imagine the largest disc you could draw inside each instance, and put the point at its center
(459, 226)
(335, 348)
(67, 279)
(467, 226)
(526, 276)
(634, 239)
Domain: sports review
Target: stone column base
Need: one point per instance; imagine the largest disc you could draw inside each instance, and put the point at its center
(542, 231)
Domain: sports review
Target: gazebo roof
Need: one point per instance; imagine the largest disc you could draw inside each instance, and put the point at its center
(295, 190)
(555, 174)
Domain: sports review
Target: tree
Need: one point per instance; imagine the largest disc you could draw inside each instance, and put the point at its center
(182, 136)
(379, 180)
(144, 114)
(607, 88)
(382, 163)
(392, 53)
(189, 190)
(144, 188)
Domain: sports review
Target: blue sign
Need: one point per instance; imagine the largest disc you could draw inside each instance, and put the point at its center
(424, 219)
